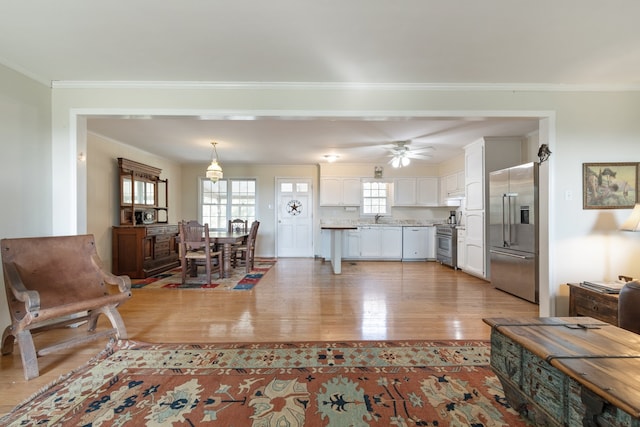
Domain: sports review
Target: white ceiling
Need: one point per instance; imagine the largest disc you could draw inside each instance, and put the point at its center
(545, 43)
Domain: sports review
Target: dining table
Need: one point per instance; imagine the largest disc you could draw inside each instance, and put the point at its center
(227, 239)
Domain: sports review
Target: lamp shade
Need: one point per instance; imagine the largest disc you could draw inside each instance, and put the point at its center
(633, 222)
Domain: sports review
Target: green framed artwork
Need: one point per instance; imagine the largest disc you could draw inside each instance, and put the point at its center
(609, 185)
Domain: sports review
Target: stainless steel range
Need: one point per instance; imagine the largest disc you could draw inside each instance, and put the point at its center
(447, 245)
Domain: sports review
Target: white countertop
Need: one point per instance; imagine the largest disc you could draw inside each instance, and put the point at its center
(380, 223)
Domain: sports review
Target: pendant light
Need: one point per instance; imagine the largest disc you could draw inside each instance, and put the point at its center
(214, 171)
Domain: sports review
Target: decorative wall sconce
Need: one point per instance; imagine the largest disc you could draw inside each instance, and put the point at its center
(377, 172)
(543, 153)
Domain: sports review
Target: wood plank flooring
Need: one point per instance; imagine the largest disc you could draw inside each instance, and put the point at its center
(298, 300)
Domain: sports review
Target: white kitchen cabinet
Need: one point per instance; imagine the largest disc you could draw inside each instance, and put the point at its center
(481, 158)
(427, 191)
(422, 191)
(335, 191)
(369, 242)
(474, 255)
(415, 243)
(379, 242)
(404, 191)
(462, 236)
(431, 243)
(474, 176)
(451, 186)
(325, 244)
(352, 244)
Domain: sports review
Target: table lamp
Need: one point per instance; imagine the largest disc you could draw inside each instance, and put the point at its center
(633, 222)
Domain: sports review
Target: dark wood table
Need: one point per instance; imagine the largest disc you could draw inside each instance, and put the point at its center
(227, 239)
(590, 303)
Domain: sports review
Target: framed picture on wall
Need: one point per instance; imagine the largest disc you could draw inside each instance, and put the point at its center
(609, 185)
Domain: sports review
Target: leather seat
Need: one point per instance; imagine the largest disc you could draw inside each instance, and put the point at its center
(629, 307)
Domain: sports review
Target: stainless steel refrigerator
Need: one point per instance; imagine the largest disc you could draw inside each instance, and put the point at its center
(513, 230)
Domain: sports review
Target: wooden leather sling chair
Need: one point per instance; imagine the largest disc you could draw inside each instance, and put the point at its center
(57, 281)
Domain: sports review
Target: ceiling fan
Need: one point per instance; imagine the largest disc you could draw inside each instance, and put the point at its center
(401, 154)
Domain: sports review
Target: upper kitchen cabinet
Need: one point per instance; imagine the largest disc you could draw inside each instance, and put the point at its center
(452, 188)
(336, 191)
(421, 191)
(474, 175)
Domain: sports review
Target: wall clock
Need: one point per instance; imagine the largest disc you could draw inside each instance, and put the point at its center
(148, 217)
(294, 207)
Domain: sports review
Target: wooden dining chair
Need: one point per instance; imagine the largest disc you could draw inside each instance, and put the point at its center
(244, 254)
(238, 225)
(196, 249)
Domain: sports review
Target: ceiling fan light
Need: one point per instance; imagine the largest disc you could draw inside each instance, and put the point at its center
(405, 161)
(395, 162)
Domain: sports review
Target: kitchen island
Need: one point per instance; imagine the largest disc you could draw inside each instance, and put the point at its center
(336, 244)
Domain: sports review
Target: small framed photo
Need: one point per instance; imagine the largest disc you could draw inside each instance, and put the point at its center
(609, 185)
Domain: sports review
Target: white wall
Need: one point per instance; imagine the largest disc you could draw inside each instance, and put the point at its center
(25, 163)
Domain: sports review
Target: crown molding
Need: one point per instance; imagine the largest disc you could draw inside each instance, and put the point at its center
(451, 87)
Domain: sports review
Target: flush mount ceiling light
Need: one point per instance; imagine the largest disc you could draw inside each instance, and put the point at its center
(214, 171)
(331, 157)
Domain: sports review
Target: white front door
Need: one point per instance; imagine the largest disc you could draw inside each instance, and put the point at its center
(294, 216)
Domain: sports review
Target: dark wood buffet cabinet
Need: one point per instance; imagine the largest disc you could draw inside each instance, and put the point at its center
(144, 250)
(144, 244)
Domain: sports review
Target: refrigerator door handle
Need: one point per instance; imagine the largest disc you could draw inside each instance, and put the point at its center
(509, 254)
(504, 237)
(511, 197)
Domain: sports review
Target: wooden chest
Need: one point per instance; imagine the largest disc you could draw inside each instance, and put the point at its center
(570, 371)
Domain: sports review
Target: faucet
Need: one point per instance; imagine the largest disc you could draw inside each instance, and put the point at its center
(378, 216)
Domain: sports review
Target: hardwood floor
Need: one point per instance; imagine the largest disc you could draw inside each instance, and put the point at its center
(298, 300)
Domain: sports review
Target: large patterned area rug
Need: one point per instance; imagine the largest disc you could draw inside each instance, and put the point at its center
(383, 383)
(239, 279)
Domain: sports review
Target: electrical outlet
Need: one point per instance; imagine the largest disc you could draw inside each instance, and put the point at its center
(568, 195)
